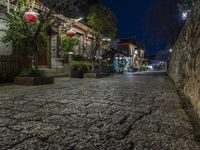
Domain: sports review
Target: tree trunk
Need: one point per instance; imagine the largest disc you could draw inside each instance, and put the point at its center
(96, 46)
(93, 68)
(36, 61)
(36, 56)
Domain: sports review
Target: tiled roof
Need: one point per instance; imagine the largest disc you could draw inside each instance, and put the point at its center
(141, 47)
(130, 40)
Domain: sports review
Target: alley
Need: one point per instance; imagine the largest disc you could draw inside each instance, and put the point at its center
(123, 112)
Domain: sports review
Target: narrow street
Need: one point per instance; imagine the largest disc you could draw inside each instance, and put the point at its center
(123, 112)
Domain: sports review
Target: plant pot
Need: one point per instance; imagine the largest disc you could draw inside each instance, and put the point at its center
(93, 75)
(76, 73)
(28, 81)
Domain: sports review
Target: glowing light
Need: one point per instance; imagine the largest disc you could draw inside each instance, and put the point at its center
(106, 39)
(71, 53)
(184, 15)
(171, 50)
(150, 67)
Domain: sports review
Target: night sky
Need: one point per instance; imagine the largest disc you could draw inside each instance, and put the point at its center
(131, 15)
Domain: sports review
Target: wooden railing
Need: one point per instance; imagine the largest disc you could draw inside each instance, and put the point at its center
(10, 66)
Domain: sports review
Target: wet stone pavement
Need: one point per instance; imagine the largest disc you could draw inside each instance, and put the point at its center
(124, 112)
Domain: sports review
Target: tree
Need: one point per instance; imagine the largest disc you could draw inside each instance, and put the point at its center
(104, 24)
(21, 33)
(85, 8)
(30, 37)
(185, 5)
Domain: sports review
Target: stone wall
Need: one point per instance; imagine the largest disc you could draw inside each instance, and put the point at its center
(184, 67)
(4, 49)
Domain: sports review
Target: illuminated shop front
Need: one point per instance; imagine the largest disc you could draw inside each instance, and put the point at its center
(122, 63)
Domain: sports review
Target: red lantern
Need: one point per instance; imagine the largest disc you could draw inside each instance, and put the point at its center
(30, 17)
(70, 33)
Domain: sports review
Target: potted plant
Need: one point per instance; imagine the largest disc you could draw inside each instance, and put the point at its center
(78, 68)
(69, 43)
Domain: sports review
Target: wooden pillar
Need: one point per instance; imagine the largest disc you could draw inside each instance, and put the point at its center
(59, 42)
(49, 52)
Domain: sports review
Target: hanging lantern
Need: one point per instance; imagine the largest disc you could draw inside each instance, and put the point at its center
(30, 17)
(70, 33)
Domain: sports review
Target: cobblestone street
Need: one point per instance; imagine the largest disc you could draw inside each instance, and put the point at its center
(123, 112)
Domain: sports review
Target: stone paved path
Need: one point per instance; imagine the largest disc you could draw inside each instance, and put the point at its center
(124, 112)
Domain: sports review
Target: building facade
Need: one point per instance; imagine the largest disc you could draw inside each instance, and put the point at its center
(4, 49)
(139, 56)
(51, 59)
(131, 53)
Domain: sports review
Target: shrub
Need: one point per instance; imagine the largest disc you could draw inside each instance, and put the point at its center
(96, 64)
(144, 68)
(135, 69)
(110, 65)
(31, 73)
(80, 65)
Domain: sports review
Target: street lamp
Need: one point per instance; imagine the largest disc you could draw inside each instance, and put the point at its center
(171, 50)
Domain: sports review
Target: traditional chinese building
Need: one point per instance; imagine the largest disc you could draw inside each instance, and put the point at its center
(51, 59)
(139, 56)
(132, 53)
(127, 46)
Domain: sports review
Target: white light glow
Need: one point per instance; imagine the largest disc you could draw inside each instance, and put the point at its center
(71, 53)
(184, 15)
(106, 39)
(150, 67)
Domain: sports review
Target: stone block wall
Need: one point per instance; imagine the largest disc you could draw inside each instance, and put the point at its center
(4, 49)
(184, 66)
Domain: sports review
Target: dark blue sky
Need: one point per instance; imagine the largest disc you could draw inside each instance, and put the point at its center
(131, 15)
